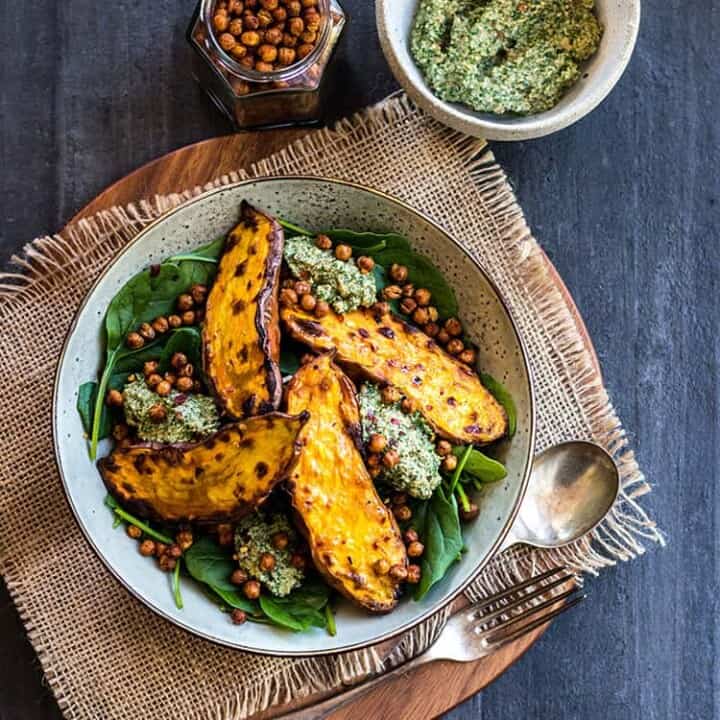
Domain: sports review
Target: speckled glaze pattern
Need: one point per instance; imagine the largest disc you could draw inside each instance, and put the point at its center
(317, 204)
(621, 21)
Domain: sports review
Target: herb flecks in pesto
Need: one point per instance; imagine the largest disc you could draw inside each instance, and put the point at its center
(504, 56)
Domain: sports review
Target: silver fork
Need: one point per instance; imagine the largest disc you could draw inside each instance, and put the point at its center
(474, 632)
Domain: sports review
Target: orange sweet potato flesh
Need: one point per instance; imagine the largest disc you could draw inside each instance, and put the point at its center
(220, 479)
(241, 334)
(347, 526)
(389, 351)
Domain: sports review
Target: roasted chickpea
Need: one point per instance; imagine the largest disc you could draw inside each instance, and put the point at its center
(298, 561)
(303, 51)
(308, 3)
(238, 577)
(442, 337)
(273, 36)
(184, 539)
(153, 380)
(280, 540)
(422, 297)
(302, 287)
(408, 290)
(453, 327)
(250, 38)
(468, 356)
(178, 360)
(264, 67)
(365, 264)
(392, 292)
(146, 331)
(167, 563)
(433, 314)
(312, 22)
(267, 53)
(163, 388)
(235, 7)
(407, 406)
(449, 463)
(373, 460)
(114, 398)
(238, 616)
(377, 443)
(470, 514)
(220, 22)
(443, 448)
(189, 317)
(414, 573)
(265, 18)
(198, 293)
(250, 22)
(171, 377)
(235, 27)
(147, 548)
(296, 26)
(227, 41)
(160, 325)
(343, 252)
(389, 394)
(174, 551)
(184, 384)
(321, 309)
(431, 329)
(415, 549)
(290, 41)
(248, 61)
(134, 340)
(402, 512)
(133, 531)
(455, 346)
(420, 316)
(251, 589)
(187, 370)
(308, 302)
(399, 498)
(381, 309)
(120, 432)
(375, 472)
(407, 306)
(174, 321)
(288, 297)
(398, 273)
(160, 549)
(382, 566)
(391, 458)
(269, 4)
(157, 413)
(323, 242)
(225, 534)
(267, 562)
(280, 14)
(410, 536)
(185, 302)
(294, 8)
(308, 36)
(398, 572)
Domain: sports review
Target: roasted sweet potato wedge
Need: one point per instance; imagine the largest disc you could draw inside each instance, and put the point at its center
(347, 526)
(389, 351)
(220, 479)
(241, 335)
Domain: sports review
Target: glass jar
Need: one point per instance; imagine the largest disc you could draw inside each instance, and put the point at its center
(292, 95)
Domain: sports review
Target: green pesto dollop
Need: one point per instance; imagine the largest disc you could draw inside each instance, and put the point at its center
(189, 417)
(339, 283)
(417, 473)
(504, 56)
(253, 537)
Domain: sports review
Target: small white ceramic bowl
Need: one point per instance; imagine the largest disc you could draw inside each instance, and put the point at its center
(620, 19)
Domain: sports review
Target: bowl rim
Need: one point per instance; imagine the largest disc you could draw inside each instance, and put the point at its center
(522, 128)
(359, 645)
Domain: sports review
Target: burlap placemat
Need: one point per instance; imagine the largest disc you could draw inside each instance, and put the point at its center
(104, 654)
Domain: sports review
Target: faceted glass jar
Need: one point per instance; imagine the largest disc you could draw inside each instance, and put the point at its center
(293, 95)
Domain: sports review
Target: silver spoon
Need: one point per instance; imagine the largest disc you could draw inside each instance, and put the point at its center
(572, 487)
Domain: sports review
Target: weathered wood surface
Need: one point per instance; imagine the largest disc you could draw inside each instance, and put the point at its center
(625, 203)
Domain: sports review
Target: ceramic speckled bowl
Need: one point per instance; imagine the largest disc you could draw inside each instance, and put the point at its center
(313, 203)
(621, 20)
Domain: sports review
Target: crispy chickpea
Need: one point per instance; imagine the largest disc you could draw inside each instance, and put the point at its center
(308, 3)
(273, 36)
(147, 548)
(178, 360)
(238, 616)
(134, 340)
(238, 577)
(298, 561)
(443, 448)
(290, 41)
(235, 7)
(286, 56)
(420, 316)
(114, 398)
(398, 273)
(265, 18)
(280, 540)
(251, 4)
(198, 293)
(174, 551)
(187, 370)
(134, 532)
(167, 563)
(407, 306)
(407, 406)
(235, 27)
(146, 331)
(312, 21)
(408, 290)
(163, 388)
(250, 22)
(422, 297)
(391, 458)
(170, 376)
(453, 327)
(184, 384)
(153, 380)
(251, 589)
(455, 346)
(267, 53)
(410, 536)
(373, 460)
(468, 356)
(399, 498)
(431, 329)
(374, 472)
(402, 512)
(415, 549)
(321, 309)
(239, 52)
(302, 287)
(288, 297)
(470, 514)
(280, 14)
(343, 252)
(308, 36)
(157, 413)
(267, 562)
(303, 51)
(220, 22)
(269, 4)
(449, 463)
(296, 26)
(381, 309)
(188, 317)
(308, 302)
(382, 566)
(377, 443)
(184, 539)
(323, 242)
(442, 337)
(225, 534)
(365, 264)
(160, 549)
(433, 314)
(414, 573)
(185, 302)
(120, 432)
(392, 292)
(248, 61)
(227, 41)
(398, 572)
(160, 325)
(250, 38)
(294, 8)
(390, 394)
(174, 321)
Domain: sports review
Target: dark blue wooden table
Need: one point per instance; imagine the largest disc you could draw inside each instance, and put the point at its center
(626, 205)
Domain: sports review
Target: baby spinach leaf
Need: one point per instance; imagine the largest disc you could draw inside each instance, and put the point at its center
(186, 340)
(235, 599)
(368, 243)
(438, 525)
(479, 465)
(209, 253)
(501, 394)
(87, 395)
(301, 609)
(208, 563)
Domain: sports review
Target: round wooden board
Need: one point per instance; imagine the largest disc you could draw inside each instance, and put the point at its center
(199, 164)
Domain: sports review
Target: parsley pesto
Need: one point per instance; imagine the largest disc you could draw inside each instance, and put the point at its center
(504, 56)
(339, 283)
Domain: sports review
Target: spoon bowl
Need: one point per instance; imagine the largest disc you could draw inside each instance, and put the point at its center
(572, 487)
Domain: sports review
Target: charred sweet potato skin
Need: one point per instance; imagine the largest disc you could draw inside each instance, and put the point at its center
(347, 526)
(220, 479)
(241, 333)
(389, 351)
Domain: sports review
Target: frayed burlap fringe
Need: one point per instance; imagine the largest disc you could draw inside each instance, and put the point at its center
(48, 261)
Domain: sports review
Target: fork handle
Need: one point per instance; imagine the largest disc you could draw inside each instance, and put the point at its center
(335, 702)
